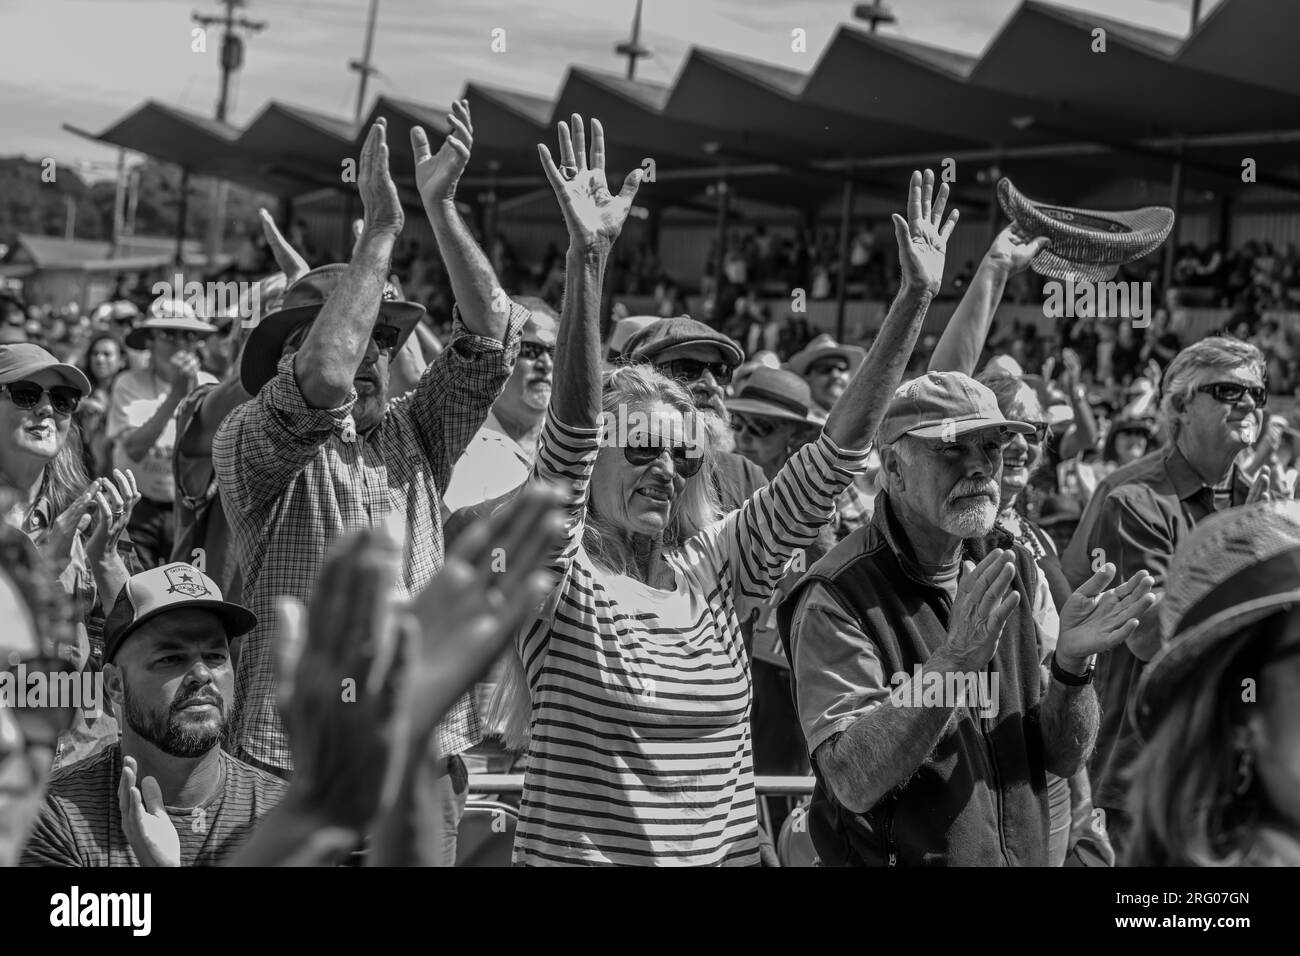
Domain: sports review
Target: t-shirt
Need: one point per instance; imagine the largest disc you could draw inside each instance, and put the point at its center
(80, 823)
(136, 395)
(493, 465)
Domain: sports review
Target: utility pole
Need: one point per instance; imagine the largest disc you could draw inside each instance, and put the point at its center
(232, 59)
(364, 66)
(632, 49)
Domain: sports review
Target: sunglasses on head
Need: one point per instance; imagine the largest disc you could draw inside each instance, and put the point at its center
(686, 458)
(532, 351)
(27, 395)
(692, 370)
(1230, 393)
(42, 726)
(756, 427)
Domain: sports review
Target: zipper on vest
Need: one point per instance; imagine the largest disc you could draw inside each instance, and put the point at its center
(997, 788)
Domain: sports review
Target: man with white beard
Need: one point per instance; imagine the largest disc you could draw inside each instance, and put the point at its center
(924, 778)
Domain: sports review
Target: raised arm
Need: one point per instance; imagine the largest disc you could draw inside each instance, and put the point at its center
(336, 343)
(477, 289)
(963, 339)
(922, 245)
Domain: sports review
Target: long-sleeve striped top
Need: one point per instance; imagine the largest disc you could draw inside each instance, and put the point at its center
(640, 748)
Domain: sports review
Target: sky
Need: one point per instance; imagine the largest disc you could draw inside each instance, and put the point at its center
(88, 62)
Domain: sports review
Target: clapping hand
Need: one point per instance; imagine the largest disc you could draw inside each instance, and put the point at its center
(379, 199)
(114, 500)
(291, 263)
(148, 828)
(593, 215)
(1095, 620)
(922, 244)
(436, 174)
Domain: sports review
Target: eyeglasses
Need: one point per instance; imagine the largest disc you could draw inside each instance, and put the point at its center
(42, 725)
(827, 366)
(27, 395)
(687, 459)
(756, 427)
(532, 351)
(1230, 393)
(692, 370)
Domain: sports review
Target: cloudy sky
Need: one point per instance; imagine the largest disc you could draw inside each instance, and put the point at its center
(86, 62)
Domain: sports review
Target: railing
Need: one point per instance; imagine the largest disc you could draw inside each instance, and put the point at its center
(514, 783)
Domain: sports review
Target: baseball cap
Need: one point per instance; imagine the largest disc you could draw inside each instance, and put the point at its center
(168, 588)
(659, 337)
(21, 360)
(943, 405)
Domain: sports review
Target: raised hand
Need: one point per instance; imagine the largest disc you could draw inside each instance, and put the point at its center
(980, 612)
(593, 215)
(56, 543)
(114, 500)
(1012, 252)
(287, 257)
(1073, 374)
(1095, 620)
(187, 369)
(1261, 488)
(922, 244)
(382, 206)
(436, 175)
(148, 828)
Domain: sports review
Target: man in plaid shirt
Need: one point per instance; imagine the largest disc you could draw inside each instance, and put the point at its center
(320, 452)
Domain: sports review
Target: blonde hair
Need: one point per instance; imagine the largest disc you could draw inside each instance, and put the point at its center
(609, 547)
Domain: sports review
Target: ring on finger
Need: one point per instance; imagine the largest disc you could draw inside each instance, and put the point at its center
(569, 172)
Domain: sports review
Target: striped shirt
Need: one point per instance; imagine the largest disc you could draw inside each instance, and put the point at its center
(80, 823)
(640, 747)
(291, 487)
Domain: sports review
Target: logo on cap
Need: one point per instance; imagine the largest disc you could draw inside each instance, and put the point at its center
(186, 582)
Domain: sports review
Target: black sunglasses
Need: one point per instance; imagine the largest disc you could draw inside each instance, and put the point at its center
(1230, 393)
(687, 459)
(532, 351)
(26, 395)
(755, 427)
(692, 370)
(827, 366)
(1040, 433)
(42, 726)
(178, 335)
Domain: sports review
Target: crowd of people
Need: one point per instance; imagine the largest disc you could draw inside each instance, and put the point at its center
(327, 564)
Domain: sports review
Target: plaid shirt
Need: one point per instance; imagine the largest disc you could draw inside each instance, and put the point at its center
(291, 487)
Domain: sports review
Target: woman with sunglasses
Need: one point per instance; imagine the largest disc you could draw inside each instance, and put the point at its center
(637, 680)
(77, 524)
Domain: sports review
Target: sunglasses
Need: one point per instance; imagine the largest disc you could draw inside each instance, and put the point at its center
(1040, 433)
(177, 335)
(755, 427)
(687, 459)
(692, 370)
(532, 351)
(27, 395)
(42, 726)
(1230, 393)
(828, 366)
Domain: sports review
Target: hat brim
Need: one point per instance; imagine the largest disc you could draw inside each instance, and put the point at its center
(800, 363)
(1181, 656)
(954, 429)
(138, 338)
(731, 353)
(70, 374)
(762, 409)
(236, 619)
(266, 341)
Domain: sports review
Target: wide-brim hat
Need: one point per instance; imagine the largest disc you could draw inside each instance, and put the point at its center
(777, 393)
(1236, 568)
(1087, 244)
(302, 303)
(167, 313)
(825, 346)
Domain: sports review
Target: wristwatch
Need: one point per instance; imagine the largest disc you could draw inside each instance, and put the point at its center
(1068, 679)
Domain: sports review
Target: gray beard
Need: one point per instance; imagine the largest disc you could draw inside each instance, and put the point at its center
(972, 521)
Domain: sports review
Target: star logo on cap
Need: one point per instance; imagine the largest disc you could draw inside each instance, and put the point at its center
(181, 580)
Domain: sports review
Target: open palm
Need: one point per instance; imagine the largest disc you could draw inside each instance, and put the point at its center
(436, 174)
(922, 244)
(1094, 620)
(593, 215)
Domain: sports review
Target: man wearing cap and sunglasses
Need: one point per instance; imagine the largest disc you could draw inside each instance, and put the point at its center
(167, 794)
(141, 424)
(1214, 392)
(912, 779)
(321, 451)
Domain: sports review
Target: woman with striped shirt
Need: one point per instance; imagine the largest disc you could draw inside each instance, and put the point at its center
(638, 682)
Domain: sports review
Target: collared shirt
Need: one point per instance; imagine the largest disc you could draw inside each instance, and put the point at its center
(492, 466)
(291, 486)
(135, 397)
(1135, 520)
